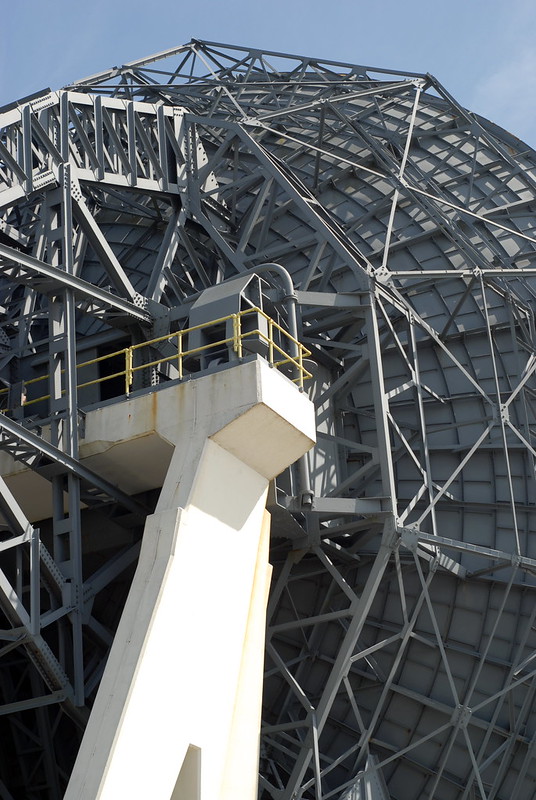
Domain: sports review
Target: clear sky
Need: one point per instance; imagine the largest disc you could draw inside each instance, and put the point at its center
(483, 51)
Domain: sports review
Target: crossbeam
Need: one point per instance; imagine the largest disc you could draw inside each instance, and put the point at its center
(26, 270)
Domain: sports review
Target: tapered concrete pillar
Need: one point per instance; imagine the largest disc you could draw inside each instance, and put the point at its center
(178, 711)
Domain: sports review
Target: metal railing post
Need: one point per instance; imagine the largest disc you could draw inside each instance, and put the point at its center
(239, 334)
(128, 370)
(235, 334)
(179, 353)
(237, 337)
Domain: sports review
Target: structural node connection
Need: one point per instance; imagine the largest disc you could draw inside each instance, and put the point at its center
(172, 217)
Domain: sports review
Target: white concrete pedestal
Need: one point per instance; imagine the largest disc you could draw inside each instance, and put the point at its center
(177, 714)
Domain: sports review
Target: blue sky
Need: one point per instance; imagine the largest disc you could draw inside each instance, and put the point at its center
(483, 52)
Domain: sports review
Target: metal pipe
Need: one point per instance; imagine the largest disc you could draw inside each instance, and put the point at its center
(290, 299)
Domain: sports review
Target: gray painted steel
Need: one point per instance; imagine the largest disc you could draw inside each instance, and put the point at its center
(401, 647)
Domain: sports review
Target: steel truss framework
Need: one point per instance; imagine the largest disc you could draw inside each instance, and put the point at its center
(401, 641)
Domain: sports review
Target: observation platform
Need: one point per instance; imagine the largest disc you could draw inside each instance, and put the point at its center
(130, 442)
(125, 438)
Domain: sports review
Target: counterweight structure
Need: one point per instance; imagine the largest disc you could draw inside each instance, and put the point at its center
(400, 655)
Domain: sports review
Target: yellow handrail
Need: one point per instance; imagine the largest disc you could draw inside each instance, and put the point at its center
(277, 355)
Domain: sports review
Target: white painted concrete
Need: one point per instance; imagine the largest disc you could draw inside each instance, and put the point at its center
(240, 775)
(183, 684)
(131, 443)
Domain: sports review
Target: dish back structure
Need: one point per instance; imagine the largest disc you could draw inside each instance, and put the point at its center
(400, 657)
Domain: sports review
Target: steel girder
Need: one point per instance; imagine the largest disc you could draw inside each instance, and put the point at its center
(400, 640)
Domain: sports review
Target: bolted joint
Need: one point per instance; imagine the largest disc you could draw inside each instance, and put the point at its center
(307, 499)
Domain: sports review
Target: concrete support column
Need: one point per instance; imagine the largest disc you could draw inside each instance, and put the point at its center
(178, 711)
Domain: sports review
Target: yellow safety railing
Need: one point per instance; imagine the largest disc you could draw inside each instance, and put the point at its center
(282, 350)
